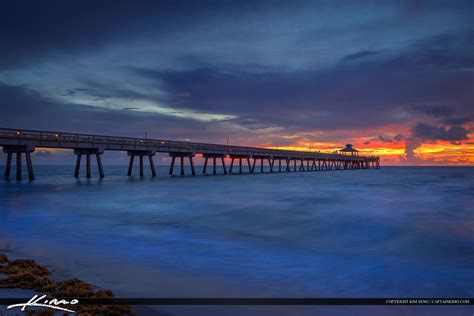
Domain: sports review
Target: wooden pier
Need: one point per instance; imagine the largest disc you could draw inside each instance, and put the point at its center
(24, 142)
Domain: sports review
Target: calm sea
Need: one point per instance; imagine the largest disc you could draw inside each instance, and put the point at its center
(395, 232)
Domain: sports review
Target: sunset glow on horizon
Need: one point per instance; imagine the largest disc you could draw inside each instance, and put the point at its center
(436, 154)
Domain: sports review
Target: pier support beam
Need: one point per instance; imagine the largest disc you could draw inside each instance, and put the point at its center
(181, 156)
(88, 165)
(288, 165)
(78, 166)
(296, 160)
(205, 166)
(323, 166)
(214, 158)
(253, 166)
(8, 165)
(239, 158)
(99, 164)
(262, 158)
(19, 150)
(18, 166)
(173, 159)
(141, 154)
(231, 165)
(223, 165)
(152, 165)
(29, 164)
(130, 165)
(193, 171)
(141, 166)
(301, 165)
(88, 152)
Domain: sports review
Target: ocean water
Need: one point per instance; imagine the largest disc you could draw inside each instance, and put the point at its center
(394, 232)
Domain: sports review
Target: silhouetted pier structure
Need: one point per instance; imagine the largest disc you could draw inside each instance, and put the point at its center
(25, 142)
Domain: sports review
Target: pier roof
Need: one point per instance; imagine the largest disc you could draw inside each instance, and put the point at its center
(349, 148)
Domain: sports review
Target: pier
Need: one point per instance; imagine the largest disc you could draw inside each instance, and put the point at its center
(21, 142)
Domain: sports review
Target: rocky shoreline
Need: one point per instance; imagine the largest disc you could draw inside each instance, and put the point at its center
(27, 274)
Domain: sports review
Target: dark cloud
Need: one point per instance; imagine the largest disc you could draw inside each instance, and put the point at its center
(438, 51)
(336, 97)
(431, 110)
(34, 29)
(411, 144)
(298, 99)
(448, 51)
(423, 132)
(385, 138)
(398, 137)
(432, 133)
(445, 114)
(458, 120)
(359, 55)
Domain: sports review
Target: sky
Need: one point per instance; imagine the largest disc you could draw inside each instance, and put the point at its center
(395, 79)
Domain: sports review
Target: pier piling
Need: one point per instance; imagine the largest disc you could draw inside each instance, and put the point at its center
(193, 172)
(142, 174)
(214, 157)
(19, 150)
(130, 165)
(99, 164)
(141, 154)
(29, 164)
(18, 166)
(8, 166)
(79, 152)
(152, 165)
(181, 156)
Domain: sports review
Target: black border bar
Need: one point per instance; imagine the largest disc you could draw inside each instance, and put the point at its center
(259, 301)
